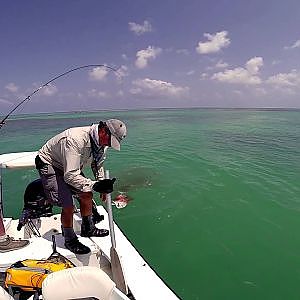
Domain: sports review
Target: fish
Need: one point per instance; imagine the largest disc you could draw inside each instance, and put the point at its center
(121, 200)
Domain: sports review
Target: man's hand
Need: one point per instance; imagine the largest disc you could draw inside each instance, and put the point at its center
(104, 186)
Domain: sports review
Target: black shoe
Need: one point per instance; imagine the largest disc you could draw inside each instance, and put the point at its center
(97, 218)
(93, 232)
(76, 247)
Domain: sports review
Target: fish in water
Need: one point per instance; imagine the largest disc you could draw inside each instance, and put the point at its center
(121, 200)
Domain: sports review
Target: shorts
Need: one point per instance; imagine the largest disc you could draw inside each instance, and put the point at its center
(57, 191)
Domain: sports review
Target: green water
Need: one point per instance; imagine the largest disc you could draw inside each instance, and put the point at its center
(216, 196)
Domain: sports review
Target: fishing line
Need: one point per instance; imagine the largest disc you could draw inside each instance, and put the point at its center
(2, 122)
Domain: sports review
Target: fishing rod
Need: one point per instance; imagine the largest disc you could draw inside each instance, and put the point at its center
(2, 122)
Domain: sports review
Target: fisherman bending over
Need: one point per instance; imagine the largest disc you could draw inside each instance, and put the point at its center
(60, 162)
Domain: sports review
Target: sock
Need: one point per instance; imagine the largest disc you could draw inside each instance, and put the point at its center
(69, 233)
(3, 237)
(87, 222)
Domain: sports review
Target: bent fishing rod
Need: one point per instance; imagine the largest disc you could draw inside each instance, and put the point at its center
(2, 122)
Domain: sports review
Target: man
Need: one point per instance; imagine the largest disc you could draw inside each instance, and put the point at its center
(60, 162)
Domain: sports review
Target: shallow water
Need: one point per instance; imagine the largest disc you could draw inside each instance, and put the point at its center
(215, 194)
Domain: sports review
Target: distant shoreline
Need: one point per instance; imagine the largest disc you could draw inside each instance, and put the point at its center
(155, 109)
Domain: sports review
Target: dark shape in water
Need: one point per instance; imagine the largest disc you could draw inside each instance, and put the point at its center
(136, 178)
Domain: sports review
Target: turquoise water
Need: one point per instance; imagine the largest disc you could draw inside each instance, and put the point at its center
(215, 194)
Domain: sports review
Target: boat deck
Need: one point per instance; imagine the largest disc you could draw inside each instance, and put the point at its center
(142, 281)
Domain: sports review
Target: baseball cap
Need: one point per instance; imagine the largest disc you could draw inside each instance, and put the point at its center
(118, 132)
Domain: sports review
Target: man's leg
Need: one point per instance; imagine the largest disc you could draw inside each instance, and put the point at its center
(67, 223)
(71, 241)
(59, 193)
(67, 216)
(86, 203)
(88, 227)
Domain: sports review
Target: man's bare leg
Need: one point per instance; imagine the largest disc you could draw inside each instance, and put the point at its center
(88, 227)
(86, 200)
(71, 241)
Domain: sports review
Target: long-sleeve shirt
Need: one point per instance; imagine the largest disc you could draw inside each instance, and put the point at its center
(70, 151)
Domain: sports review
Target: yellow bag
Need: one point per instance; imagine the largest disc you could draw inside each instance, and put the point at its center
(29, 274)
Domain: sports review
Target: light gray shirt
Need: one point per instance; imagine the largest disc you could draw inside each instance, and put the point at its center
(70, 151)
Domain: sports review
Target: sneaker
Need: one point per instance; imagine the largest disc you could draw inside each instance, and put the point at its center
(93, 232)
(10, 244)
(76, 247)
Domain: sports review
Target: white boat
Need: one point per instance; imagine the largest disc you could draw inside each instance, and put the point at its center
(94, 272)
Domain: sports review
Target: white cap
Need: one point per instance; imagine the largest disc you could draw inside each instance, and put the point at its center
(118, 132)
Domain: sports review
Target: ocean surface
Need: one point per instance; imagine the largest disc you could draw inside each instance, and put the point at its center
(215, 206)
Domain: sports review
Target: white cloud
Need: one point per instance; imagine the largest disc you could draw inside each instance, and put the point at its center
(247, 75)
(253, 64)
(293, 46)
(97, 94)
(135, 91)
(49, 90)
(275, 62)
(203, 76)
(122, 71)
(183, 51)
(12, 87)
(98, 73)
(220, 64)
(214, 44)
(237, 75)
(260, 91)
(191, 72)
(144, 55)
(140, 29)
(291, 79)
(158, 87)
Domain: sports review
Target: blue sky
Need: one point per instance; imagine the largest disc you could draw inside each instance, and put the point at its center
(169, 53)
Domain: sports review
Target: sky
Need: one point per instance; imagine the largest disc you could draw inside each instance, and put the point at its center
(170, 53)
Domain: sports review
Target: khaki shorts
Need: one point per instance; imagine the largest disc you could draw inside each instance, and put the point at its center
(57, 191)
